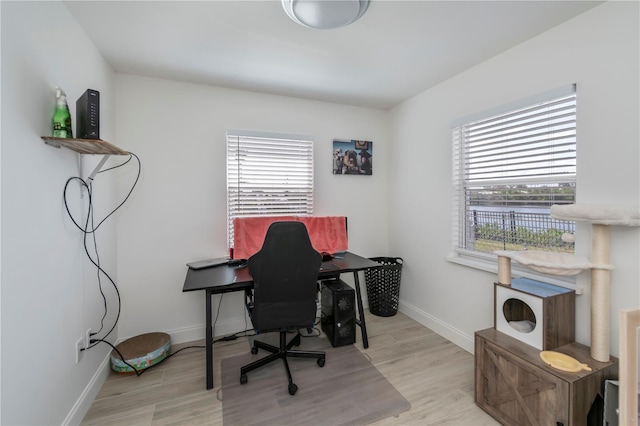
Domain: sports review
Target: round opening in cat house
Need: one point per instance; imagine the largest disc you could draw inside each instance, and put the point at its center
(538, 314)
(519, 315)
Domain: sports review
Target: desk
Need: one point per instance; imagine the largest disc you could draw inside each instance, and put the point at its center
(226, 279)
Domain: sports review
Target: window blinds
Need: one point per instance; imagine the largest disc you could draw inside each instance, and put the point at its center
(532, 147)
(268, 174)
(536, 143)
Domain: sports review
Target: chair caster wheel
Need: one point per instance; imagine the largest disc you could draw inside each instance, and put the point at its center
(254, 350)
(243, 379)
(293, 388)
(320, 362)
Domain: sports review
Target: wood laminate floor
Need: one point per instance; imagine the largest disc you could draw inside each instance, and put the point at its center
(433, 374)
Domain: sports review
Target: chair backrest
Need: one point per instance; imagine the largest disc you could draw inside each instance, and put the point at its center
(285, 272)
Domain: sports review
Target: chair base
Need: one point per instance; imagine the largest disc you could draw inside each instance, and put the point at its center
(283, 352)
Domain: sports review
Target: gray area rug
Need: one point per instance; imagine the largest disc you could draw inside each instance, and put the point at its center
(348, 390)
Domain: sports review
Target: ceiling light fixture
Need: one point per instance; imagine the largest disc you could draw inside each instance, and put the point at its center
(325, 14)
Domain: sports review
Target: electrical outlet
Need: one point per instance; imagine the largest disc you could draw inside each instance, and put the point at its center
(87, 338)
(79, 349)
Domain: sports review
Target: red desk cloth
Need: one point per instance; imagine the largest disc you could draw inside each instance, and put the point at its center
(327, 233)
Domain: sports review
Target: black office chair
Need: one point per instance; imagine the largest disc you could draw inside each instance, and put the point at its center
(285, 272)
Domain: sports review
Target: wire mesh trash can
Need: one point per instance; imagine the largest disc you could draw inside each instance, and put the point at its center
(383, 286)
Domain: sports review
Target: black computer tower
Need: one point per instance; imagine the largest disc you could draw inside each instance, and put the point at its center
(338, 319)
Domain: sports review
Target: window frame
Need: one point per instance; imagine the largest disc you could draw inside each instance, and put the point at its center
(484, 260)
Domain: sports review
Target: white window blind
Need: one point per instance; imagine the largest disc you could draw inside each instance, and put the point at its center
(268, 175)
(509, 167)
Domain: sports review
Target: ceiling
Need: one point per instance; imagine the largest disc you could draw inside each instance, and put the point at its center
(395, 51)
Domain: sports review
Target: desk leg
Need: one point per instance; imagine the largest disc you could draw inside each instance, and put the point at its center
(360, 320)
(209, 341)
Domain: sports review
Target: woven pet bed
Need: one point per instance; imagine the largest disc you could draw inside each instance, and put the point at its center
(141, 351)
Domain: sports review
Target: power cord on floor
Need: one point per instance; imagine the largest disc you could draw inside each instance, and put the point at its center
(228, 338)
(236, 336)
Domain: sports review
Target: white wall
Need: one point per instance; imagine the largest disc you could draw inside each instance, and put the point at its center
(598, 50)
(178, 212)
(49, 292)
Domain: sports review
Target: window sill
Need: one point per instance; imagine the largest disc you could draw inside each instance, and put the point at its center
(489, 263)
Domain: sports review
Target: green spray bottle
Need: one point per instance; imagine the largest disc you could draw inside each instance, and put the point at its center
(62, 117)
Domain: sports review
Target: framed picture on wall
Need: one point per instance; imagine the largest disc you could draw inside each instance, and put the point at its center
(352, 157)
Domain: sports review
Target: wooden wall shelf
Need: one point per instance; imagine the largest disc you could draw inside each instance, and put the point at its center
(85, 146)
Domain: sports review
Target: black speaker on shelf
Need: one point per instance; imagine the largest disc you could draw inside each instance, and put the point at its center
(338, 319)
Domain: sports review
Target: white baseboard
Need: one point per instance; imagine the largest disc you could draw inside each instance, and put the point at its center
(445, 330)
(83, 404)
(190, 334)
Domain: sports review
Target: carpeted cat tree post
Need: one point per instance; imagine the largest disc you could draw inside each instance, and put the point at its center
(600, 293)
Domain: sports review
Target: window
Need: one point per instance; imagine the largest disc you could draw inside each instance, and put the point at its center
(268, 174)
(509, 167)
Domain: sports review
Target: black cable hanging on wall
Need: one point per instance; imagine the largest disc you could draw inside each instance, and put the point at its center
(89, 228)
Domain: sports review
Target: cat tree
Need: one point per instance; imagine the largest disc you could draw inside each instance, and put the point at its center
(601, 217)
